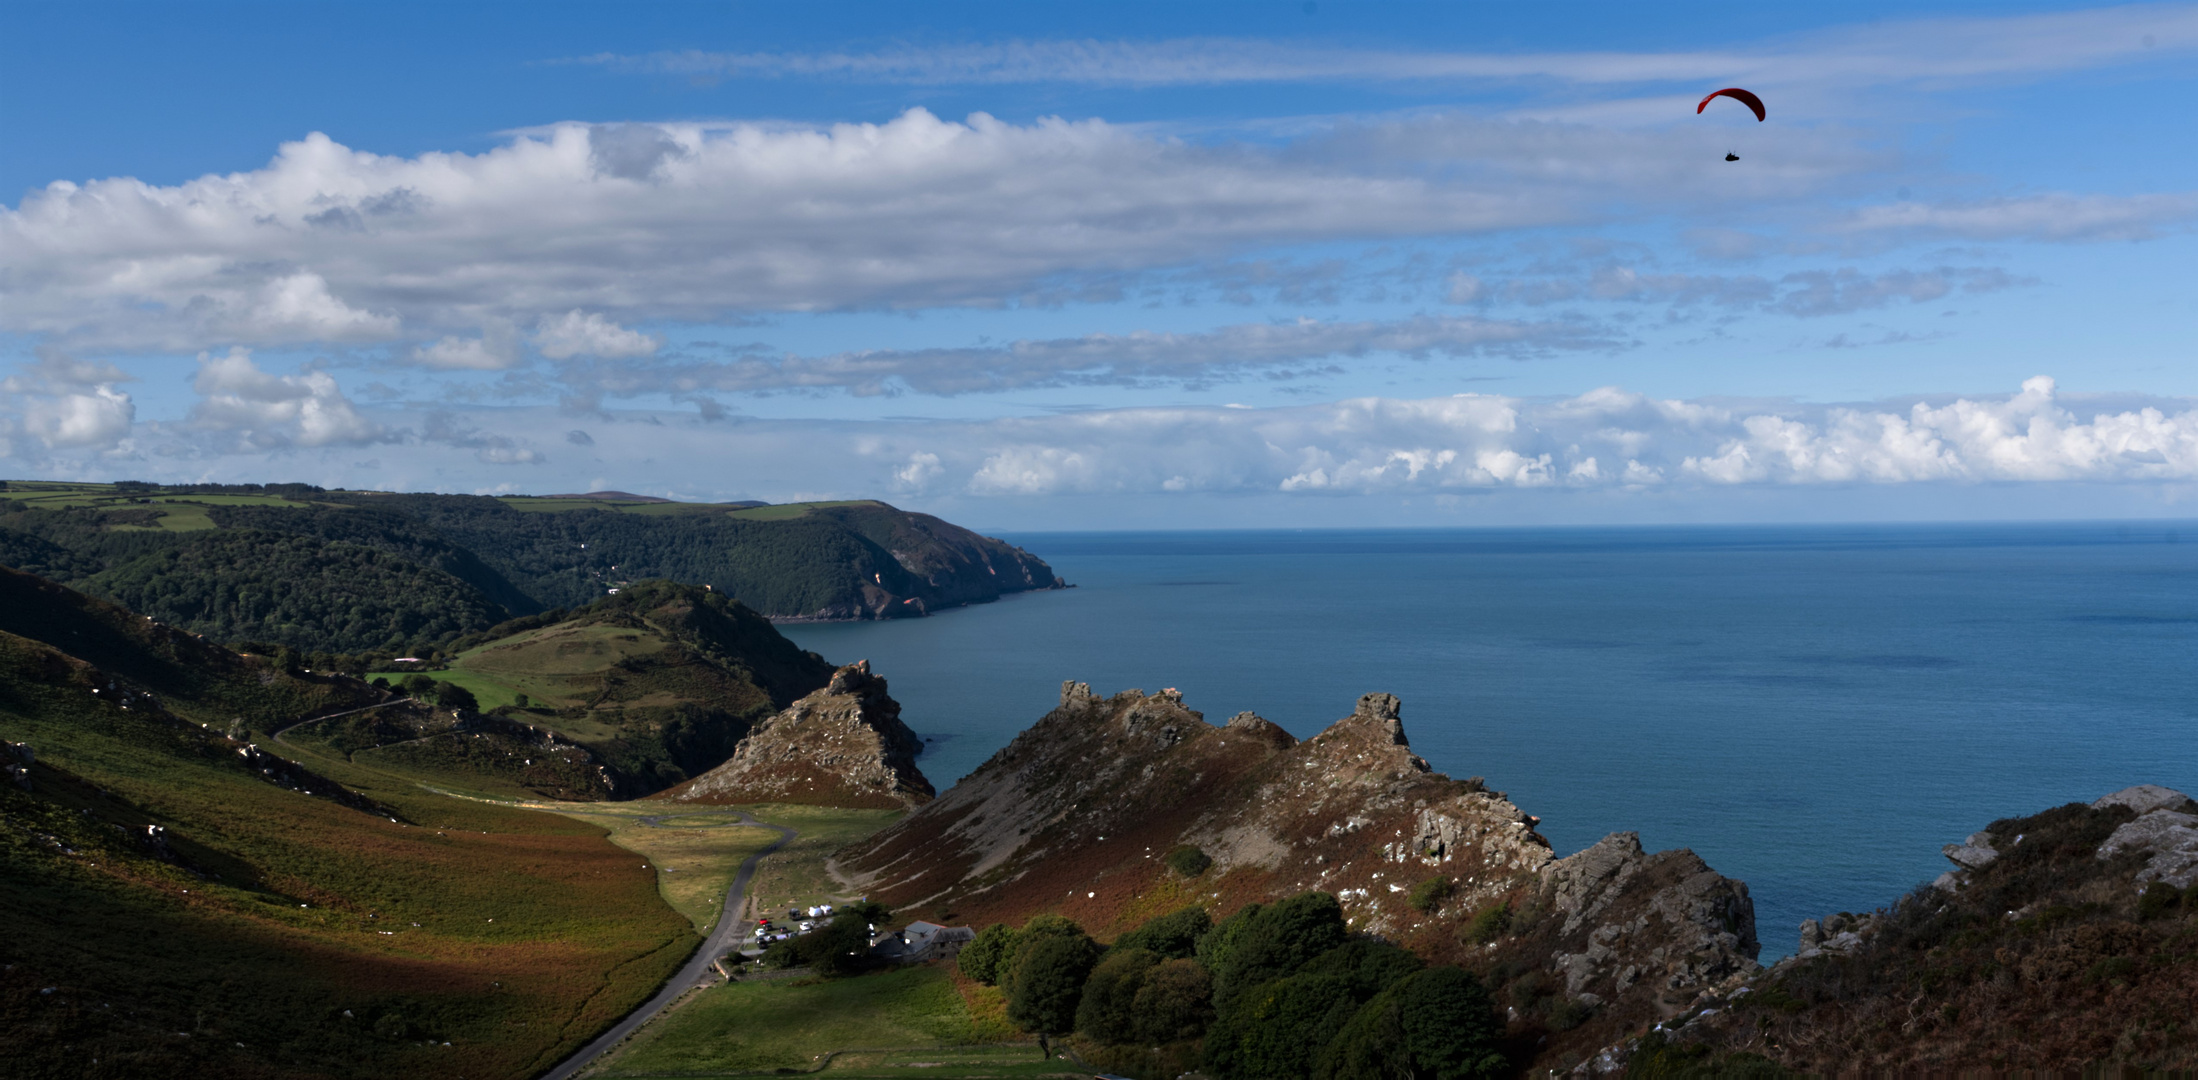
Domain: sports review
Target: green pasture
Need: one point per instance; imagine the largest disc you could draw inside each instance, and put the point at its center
(696, 852)
(902, 1016)
(783, 511)
(796, 876)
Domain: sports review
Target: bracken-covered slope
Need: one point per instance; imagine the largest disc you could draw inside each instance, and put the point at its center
(2065, 941)
(181, 903)
(1080, 815)
(843, 746)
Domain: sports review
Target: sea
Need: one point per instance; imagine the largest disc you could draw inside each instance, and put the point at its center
(1815, 710)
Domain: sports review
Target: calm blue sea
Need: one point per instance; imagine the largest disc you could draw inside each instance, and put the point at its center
(1815, 710)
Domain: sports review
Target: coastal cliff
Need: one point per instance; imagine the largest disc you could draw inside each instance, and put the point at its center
(1111, 810)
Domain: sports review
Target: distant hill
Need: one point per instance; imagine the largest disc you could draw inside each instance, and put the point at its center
(364, 572)
(181, 902)
(626, 696)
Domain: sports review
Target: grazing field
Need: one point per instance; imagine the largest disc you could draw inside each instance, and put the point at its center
(796, 875)
(695, 853)
(761, 1024)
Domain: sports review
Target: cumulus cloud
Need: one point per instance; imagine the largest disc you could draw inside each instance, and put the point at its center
(577, 333)
(268, 411)
(1138, 358)
(577, 229)
(1605, 439)
(67, 402)
(99, 418)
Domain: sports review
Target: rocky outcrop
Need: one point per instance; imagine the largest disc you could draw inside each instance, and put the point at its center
(843, 745)
(1626, 921)
(1078, 814)
(2165, 834)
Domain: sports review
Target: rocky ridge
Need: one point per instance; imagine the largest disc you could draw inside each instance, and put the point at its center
(843, 745)
(1080, 813)
(2066, 940)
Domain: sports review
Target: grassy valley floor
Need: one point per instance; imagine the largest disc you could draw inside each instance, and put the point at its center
(881, 1024)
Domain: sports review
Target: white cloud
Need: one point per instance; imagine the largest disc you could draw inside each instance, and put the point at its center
(270, 411)
(2055, 216)
(564, 232)
(495, 349)
(100, 418)
(1891, 52)
(1136, 358)
(577, 333)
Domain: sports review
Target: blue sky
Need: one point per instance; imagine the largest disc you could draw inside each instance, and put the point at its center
(1040, 266)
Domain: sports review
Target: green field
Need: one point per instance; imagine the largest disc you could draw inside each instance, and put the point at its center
(906, 1018)
(796, 875)
(783, 511)
(695, 852)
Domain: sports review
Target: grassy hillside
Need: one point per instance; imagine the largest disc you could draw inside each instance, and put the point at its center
(183, 904)
(399, 573)
(626, 696)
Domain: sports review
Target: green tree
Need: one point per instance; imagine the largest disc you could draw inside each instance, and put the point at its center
(1046, 980)
(1279, 1029)
(1173, 935)
(980, 959)
(1108, 1009)
(1436, 1025)
(1174, 1001)
(1279, 940)
(450, 695)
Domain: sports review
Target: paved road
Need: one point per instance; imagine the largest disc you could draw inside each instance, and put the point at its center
(696, 971)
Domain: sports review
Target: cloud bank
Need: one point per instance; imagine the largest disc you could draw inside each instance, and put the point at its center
(1604, 440)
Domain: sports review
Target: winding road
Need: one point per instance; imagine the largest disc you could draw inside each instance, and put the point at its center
(696, 971)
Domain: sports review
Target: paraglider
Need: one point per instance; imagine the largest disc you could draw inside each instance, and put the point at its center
(1745, 97)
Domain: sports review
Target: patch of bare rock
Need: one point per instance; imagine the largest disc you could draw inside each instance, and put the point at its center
(844, 745)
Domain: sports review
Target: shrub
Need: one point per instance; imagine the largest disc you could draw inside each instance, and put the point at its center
(1187, 860)
(835, 950)
(1569, 1013)
(2158, 899)
(980, 959)
(1489, 925)
(1172, 936)
(1429, 895)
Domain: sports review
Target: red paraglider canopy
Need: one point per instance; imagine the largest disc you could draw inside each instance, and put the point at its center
(1744, 97)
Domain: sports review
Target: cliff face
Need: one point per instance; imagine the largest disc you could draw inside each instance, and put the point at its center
(843, 745)
(1080, 814)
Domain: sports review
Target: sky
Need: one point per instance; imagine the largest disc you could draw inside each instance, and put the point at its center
(1063, 266)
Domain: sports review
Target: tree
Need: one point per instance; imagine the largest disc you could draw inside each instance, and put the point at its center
(1108, 1009)
(1438, 1024)
(1046, 981)
(1278, 1030)
(450, 695)
(1174, 1001)
(1173, 935)
(980, 959)
(1277, 941)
